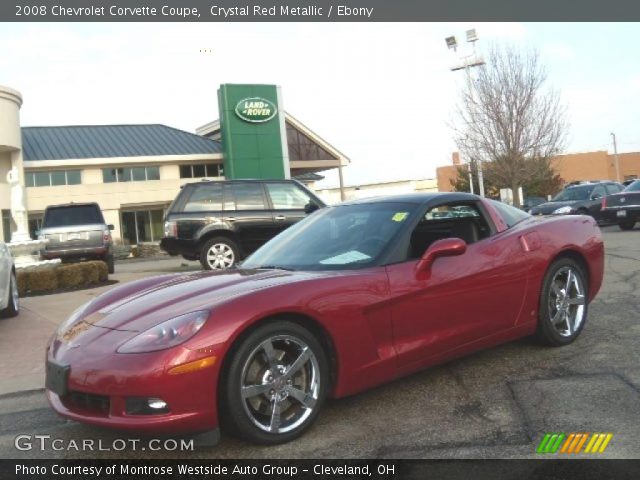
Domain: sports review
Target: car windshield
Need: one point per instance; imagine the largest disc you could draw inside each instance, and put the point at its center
(69, 216)
(334, 238)
(633, 187)
(573, 194)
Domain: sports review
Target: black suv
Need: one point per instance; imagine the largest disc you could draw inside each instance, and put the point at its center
(221, 222)
(585, 199)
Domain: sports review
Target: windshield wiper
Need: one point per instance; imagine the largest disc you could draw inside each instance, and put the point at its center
(273, 267)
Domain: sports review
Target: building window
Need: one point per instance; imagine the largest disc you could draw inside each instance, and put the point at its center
(52, 178)
(130, 174)
(35, 224)
(142, 226)
(201, 170)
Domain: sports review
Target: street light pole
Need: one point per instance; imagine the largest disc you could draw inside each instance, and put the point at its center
(468, 62)
(615, 155)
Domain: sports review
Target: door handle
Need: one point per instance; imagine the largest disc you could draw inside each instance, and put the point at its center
(230, 219)
(280, 218)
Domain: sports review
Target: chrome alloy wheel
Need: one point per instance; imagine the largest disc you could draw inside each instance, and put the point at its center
(220, 256)
(280, 384)
(566, 301)
(15, 297)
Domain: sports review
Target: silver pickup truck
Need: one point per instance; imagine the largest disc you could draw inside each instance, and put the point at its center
(77, 231)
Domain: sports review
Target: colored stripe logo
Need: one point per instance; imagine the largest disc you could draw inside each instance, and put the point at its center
(572, 443)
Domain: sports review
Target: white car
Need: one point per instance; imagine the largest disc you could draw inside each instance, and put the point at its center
(9, 301)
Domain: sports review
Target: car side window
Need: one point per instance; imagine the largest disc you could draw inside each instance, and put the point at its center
(205, 197)
(598, 192)
(243, 196)
(461, 220)
(613, 188)
(287, 196)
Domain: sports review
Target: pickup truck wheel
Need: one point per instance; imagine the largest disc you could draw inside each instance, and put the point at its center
(628, 225)
(218, 253)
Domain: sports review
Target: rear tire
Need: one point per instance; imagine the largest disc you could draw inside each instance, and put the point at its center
(563, 303)
(111, 268)
(13, 303)
(266, 408)
(628, 225)
(218, 253)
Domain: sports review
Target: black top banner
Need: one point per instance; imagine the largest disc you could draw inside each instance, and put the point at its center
(317, 11)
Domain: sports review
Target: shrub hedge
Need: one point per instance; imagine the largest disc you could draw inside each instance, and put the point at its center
(62, 276)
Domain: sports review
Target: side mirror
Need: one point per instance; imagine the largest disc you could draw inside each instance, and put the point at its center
(596, 196)
(110, 226)
(311, 207)
(447, 247)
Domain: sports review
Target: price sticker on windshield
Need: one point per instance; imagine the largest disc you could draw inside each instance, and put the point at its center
(400, 216)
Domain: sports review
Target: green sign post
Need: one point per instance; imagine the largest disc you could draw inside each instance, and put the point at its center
(254, 140)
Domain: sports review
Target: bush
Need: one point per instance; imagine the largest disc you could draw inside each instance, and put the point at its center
(61, 277)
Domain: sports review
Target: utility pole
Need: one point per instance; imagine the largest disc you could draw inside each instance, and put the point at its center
(615, 156)
(469, 61)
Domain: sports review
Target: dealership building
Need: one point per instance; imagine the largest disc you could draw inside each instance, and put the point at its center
(135, 171)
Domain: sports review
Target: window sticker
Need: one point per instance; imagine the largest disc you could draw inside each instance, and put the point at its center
(400, 216)
(351, 256)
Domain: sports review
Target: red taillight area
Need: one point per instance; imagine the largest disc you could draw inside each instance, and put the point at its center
(170, 229)
(604, 202)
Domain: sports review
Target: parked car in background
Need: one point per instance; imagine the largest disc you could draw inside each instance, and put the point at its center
(77, 231)
(626, 183)
(623, 208)
(530, 202)
(583, 199)
(9, 299)
(221, 222)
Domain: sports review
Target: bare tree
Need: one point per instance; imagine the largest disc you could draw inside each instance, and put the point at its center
(508, 116)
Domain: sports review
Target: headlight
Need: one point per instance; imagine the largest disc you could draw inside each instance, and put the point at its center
(166, 335)
(562, 210)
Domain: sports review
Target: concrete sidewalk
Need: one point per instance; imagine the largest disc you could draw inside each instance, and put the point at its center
(23, 339)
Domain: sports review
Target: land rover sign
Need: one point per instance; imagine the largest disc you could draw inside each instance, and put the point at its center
(256, 110)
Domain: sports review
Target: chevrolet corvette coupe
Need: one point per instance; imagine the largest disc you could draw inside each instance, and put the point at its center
(353, 296)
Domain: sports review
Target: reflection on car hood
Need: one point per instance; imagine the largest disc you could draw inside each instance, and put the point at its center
(549, 207)
(176, 295)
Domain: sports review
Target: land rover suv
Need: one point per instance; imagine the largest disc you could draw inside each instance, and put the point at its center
(221, 222)
(76, 231)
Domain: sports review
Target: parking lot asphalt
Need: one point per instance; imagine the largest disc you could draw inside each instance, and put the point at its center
(494, 404)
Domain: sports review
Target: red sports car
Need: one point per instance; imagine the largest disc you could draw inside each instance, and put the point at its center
(353, 296)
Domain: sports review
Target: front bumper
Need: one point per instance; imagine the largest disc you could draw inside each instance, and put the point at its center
(99, 384)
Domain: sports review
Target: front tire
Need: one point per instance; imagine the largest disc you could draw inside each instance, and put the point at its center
(218, 253)
(13, 303)
(563, 303)
(275, 384)
(628, 225)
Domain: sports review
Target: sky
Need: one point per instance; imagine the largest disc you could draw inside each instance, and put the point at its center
(382, 93)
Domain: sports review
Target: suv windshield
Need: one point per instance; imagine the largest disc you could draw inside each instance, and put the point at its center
(340, 237)
(72, 215)
(573, 194)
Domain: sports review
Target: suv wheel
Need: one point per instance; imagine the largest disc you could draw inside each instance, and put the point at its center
(218, 253)
(110, 264)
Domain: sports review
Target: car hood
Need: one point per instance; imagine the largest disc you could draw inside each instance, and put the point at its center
(142, 309)
(549, 207)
